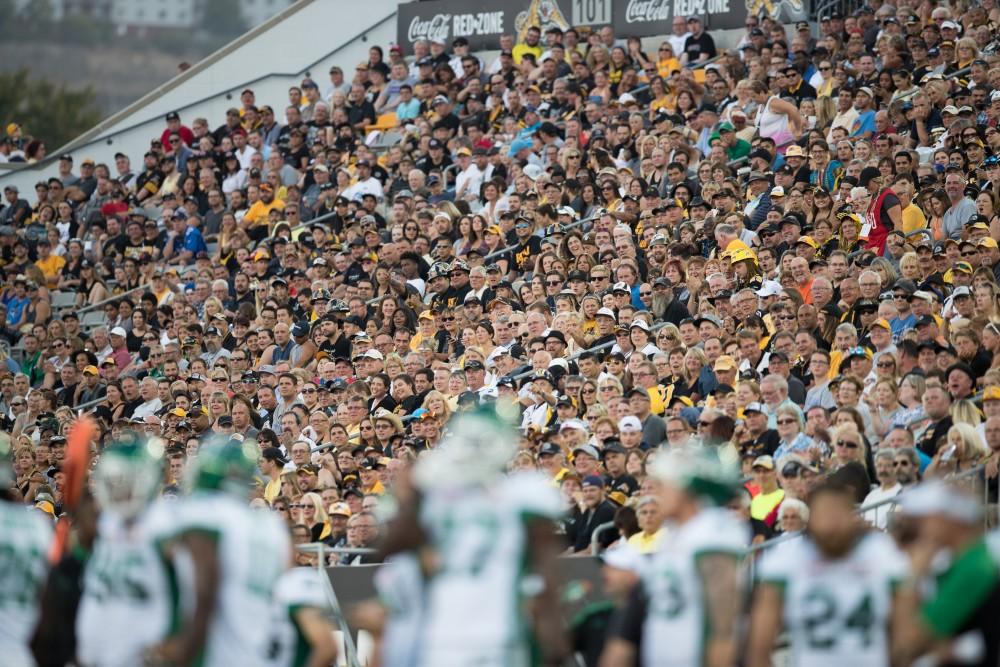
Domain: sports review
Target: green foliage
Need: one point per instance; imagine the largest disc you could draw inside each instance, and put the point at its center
(223, 18)
(52, 113)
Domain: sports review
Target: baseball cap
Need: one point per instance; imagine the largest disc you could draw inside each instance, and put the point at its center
(763, 462)
(630, 424)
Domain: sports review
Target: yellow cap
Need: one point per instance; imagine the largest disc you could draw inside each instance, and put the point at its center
(991, 393)
(809, 241)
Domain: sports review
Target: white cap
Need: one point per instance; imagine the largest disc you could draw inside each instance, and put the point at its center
(770, 288)
(559, 361)
(620, 287)
(777, 191)
(607, 312)
(626, 98)
(639, 324)
(573, 423)
(949, 24)
(118, 331)
(532, 171)
(630, 423)
(373, 354)
(567, 210)
(935, 498)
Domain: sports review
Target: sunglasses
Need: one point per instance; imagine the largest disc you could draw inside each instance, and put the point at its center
(785, 422)
(848, 444)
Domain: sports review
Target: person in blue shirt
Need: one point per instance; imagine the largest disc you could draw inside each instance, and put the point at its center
(864, 125)
(185, 241)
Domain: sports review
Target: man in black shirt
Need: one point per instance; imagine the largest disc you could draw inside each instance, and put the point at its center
(699, 44)
(617, 480)
(17, 211)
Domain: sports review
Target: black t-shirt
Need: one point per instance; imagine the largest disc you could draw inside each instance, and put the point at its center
(764, 444)
(524, 254)
(695, 47)
(623, 484)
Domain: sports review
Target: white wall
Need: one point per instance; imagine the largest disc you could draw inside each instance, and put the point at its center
(312, 29)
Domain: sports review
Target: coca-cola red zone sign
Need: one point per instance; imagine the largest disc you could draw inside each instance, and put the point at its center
(483, 23)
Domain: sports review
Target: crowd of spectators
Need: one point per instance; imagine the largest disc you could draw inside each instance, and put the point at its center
(787, 248)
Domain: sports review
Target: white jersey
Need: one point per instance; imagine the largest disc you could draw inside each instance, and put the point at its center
(399, 583)
(127, 602)
(474, 599)
(673, 630)
(836, 612)
(25, 539)
(297, 588)
(253, 551)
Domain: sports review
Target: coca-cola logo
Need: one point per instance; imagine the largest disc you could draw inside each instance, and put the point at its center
(641, 11)
(433, 29)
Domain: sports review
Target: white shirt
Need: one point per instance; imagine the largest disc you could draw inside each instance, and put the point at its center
(677, 43)
(245, 156)
(879, 516)
(369, 186)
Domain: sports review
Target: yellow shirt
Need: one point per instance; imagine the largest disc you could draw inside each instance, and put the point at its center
(913, 219)
(257, 215)
(521, 49)
(51, 268)
(645, 544)
(764, 503)
(272, 490)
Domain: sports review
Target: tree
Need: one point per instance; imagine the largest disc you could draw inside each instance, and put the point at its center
(223, 18)
(52, 113)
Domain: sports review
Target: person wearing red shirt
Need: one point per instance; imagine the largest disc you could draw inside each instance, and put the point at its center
(174, 125)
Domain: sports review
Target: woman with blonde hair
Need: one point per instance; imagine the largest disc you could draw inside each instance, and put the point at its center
(309, 511)
(849, 460)
(963, 450)
(437, 404)
(909, 266)
(290, 487)
(608, 389)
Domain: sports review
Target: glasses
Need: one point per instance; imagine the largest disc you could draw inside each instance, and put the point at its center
(645, 294)
(704, 423)
(885, 364)
(847, 444)
(553, 283)
(308, 391)
(598, 277)
(824, 69)
(379, 427)
(901, 464)
(297, 506)
(785, 422)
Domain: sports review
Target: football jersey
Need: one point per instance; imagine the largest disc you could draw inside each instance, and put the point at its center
(127, 603)
(474, 613)
(25, 538)
(673, 632)
(297, 588)
(399, 583)
(254, 549)
(836, 612)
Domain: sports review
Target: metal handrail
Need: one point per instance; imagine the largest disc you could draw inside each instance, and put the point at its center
(321, 549)
(595, 537)
(766, 544)
(596, 348)
(565, 228)
(111, 299)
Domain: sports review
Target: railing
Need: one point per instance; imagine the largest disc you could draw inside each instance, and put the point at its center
(321, 550)
(111, 299)
(595, 537)
(596, 348)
